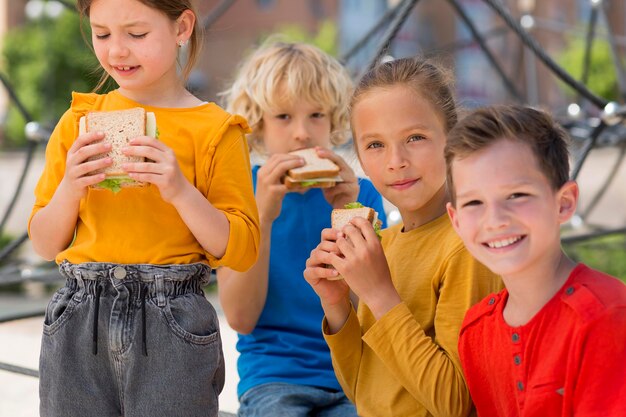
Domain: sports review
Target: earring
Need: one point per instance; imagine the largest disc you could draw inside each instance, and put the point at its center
(181, 43)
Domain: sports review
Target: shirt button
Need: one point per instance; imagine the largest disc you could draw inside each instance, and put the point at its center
(569, 291)
(119, 272)
(492, 300)
(520, 385)
(515, 337)
(517, 359)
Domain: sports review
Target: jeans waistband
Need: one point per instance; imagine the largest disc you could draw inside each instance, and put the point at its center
(163, 280)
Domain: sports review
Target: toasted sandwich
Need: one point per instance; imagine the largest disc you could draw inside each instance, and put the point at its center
(341, 217)
(316, 173)
(119, 127)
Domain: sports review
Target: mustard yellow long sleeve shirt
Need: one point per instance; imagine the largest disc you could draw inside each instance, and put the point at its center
(407, 363)
(136, 225)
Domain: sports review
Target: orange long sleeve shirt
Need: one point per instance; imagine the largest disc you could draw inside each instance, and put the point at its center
(136, 225)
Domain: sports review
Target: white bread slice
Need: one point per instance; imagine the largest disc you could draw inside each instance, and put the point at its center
(119, 127)
(315, 167)
(341, 217)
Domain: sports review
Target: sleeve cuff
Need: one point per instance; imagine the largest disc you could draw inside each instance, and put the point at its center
(349, 333)
(242, 249)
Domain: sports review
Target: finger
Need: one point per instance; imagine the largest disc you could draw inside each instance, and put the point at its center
(85, 168)
(277, 168)
(320, 272)
(345, 171)
(85, 149)
(365, 227)
(85, 139)
(143, 151)
(148, 141)
(142, 167)
(331, 234)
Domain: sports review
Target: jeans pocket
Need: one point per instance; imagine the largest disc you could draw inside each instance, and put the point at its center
(59, 310)
(192, 318)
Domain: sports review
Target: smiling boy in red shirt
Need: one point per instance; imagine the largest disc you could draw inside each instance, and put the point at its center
(553, 343)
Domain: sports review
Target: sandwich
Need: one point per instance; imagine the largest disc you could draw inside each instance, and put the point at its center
(341, 217)
(315, 173)
(119, 127)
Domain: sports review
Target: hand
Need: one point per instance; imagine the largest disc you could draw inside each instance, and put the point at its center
(161, 167)
(79, 170)
(364, 267)
(346, 191)
(270, 191)
(317, 272)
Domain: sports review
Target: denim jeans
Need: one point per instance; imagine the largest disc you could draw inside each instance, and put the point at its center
(132, 341)
(279, 399)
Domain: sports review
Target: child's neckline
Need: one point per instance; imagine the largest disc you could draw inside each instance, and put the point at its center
(148, 106)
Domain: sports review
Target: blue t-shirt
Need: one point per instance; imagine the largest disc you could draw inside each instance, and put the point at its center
(287, 343)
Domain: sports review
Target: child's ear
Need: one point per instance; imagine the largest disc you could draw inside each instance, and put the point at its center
(186, 22)
(567, 198)
(452, 214)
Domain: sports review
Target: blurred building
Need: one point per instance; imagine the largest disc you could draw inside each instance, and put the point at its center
(432, 29)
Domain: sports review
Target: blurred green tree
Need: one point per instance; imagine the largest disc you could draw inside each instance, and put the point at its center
(45, 60)
(602, 79)
(325, 38)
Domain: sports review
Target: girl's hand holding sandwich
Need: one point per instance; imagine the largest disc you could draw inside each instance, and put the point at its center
(364, 267)
(270, 189)
(161, 167)
(78, 169)
(347, 190)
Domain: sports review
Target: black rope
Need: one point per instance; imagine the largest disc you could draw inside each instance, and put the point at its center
(605, 186)
(19, 370)
(588, 236)
(540, 53)
(24, 315)
(508, 84)
(615, 55)
(25, 114)
(591, 32)
(464, 43)
(11, 246)
(30, 152)
(595, 134)
(389, 14)
(392, 31)
(216, 13)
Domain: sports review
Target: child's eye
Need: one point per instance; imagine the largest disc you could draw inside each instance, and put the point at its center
(415, 138)
(471, 203)
(517, 195)
(374, 145)
(283, 116)
(103, 36)
(318, 115)
(138, 35)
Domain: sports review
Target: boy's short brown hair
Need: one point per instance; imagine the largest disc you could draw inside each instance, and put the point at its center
(537, 129)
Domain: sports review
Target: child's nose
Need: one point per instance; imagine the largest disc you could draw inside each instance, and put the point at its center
(118, 48)
(496, 217)
(397, 158)
(301, 132)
